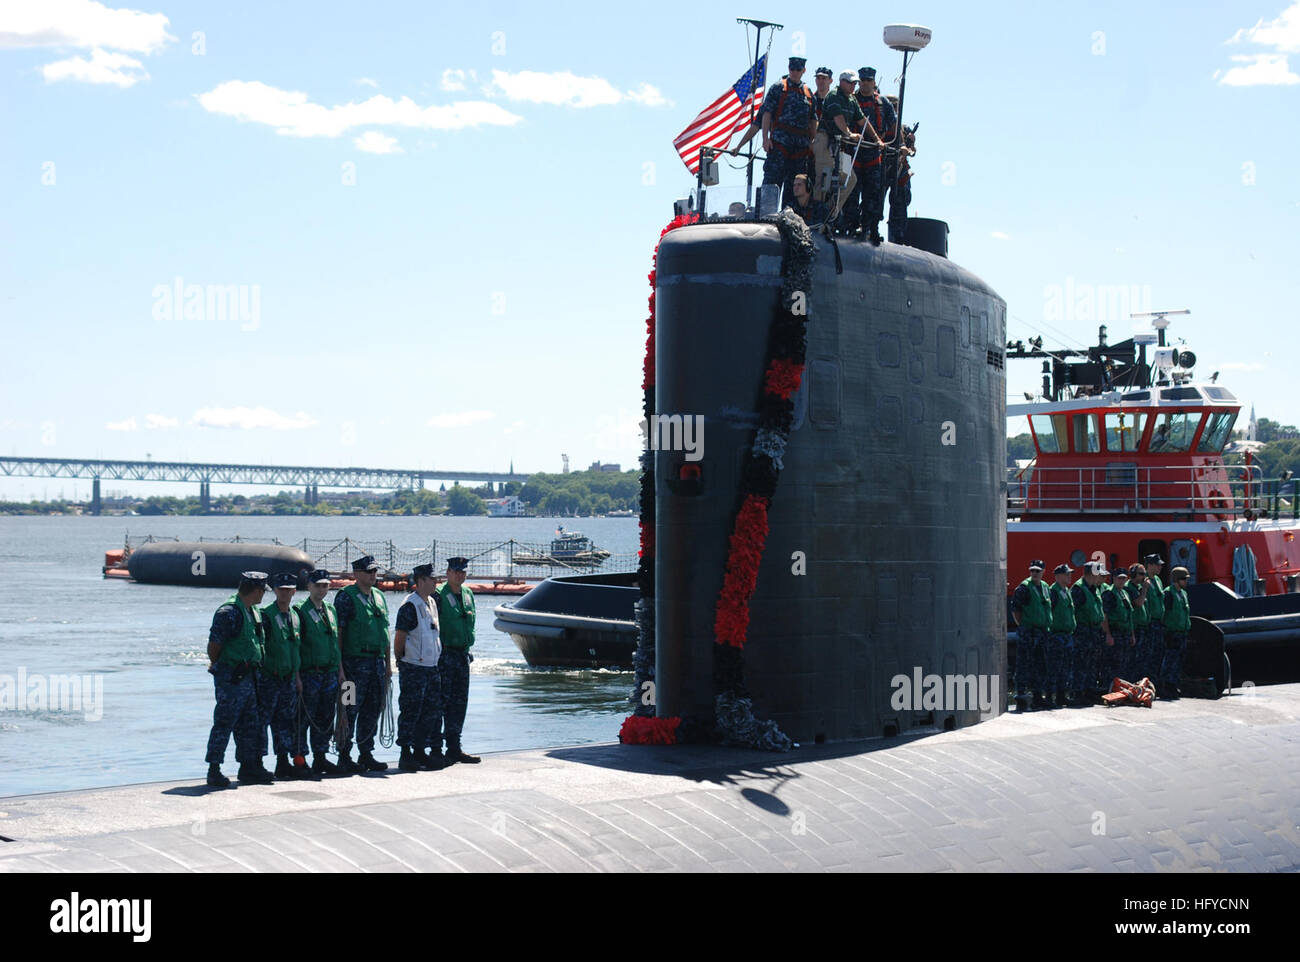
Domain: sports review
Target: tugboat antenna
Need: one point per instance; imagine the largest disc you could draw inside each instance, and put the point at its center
(758, 37)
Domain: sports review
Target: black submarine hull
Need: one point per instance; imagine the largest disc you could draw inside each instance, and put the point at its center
(887, 544)
(213, 564)
(584, 621)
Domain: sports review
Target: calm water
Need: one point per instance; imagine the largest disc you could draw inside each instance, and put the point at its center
(147, 644)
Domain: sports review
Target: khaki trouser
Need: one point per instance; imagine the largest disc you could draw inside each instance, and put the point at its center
(846, 174)
(822, 164)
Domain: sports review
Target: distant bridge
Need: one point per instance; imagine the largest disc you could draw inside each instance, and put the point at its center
(204, 474)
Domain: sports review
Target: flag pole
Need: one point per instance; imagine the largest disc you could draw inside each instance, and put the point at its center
(758, 37)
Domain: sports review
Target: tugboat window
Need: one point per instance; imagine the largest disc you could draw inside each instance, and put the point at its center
(1124, 430)
(1174, 432)
(1085, 434)
(1217, 432)
(1051, 432)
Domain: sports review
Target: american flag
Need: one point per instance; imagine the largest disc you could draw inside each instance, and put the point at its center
(720, 120)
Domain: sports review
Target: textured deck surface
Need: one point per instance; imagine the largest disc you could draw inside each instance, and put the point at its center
(1190, 785)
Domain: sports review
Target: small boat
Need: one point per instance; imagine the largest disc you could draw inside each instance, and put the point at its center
(571, 549)
(575, 621)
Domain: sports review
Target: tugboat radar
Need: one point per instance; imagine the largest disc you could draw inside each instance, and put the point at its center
(907, 37)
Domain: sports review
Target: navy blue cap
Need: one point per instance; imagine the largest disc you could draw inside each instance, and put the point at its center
(284, 579)
(798, 63)
(252, 579)
(1036, 564)
(1063, 569)
(1153, 559)
(1120, 573)
(457, 564)
(365, 563)
(422, 571)
(824, 72)
(319, 575)
(866, 73)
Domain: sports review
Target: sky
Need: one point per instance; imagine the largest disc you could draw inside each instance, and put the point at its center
(433, 222)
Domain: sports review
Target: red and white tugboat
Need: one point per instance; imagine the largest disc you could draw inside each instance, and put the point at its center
(1129, 462)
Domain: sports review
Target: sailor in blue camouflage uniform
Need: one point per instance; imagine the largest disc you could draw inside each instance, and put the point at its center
(363, 628)
(1060, 637)
(788, 119)
(1031, 607)
(321, 672)
(279, 684)
(236, 643)
(456, 613)
(865, 205)
(418, 649)
(1089, 635)
(1118, 605)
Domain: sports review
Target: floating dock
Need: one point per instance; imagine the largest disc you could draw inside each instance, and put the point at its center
(1188, 785)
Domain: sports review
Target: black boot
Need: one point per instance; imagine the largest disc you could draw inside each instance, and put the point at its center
(456, 755)
(369, 763)
(215, 778)
(346, 765)
(282, 767)
(433, 761)
(324, 767)
(1062, 700)
(302, 771)
(252, 773)
(1040, 701)
(407, 762)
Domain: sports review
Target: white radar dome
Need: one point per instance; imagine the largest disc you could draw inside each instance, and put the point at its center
(906, 37)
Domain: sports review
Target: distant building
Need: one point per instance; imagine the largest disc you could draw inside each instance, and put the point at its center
(597, 466)
(507, 507)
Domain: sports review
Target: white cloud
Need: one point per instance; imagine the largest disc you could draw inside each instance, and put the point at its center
(998, 235)
(566, 89)
(460, 419)
(373, 142)
(648, 96)
(367, 82)
(128, 424)
(1266, 69)
(453, 79)
(1263, 69)
(80, 23)
(160, 422)
(291, 113)
(247, 419)
(1282, 34)
(101, 68)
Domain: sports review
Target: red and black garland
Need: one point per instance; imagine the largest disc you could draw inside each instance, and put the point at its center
(734, 721)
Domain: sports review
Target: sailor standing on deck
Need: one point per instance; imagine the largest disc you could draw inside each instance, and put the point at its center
(1156, 615)
(278, 683)
(321, 672)
(788, 122)
(418, 649)
(456, 619)
(1178, 621)
(1090, 634)
(1137, 593)
(235, 649)
(1031, 607)
(1060, 637)
(363, 628)
(898, 180)
(1119, 615)
(866, 204)
(821, 142)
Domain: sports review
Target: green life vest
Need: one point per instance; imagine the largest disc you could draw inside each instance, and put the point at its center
(1063, 622)
(1178, 614)
(1140, 617)
(1155, 599)
(1120, 617)
(1090, 615)
(283, 637)
(247, 645)
(1038, 612)
(455, 622)
(320, 636)
(367, 632)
